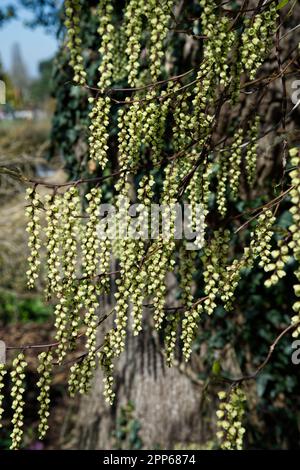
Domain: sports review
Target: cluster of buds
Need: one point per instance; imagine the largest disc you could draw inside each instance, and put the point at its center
(81, 374)
(215, 255)
(3, 371)
(17, 393)
(256, 39)
(158, 14)
(223, 173)
(74, 42)
(235, 159)
(260, 245)
(230, 416)
(134, 23)
(279, 259)
(98, 138)
(54, 237)
(189, 329)
(294, 228)
(44, 369)
(33, 228)
(251, 153)
(61, 314)
(90, 241)
(105, 361)
(71, 212)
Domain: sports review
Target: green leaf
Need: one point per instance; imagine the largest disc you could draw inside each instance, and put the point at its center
(282, 4)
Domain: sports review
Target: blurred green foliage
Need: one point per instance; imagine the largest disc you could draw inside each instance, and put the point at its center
(15, 309)
(127, 429)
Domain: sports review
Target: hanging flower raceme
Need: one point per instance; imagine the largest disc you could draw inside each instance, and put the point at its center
(185, 271)
(74, 42)
(45, 371)
(230, 419)
(61, 314)
(251, 153)
(235, 159)
(279, 258)
(90, 241)
(158, 14)
(223, 179)
(53, 205)
(105, 360)
(17, 393)
(33, 229)
(259, 247)
(3, 372)
(133, 30)
(71, 213)
(215, 255)
(81, 374)
(257, 38)
(190, 325)
(99, 115)
(294, 244)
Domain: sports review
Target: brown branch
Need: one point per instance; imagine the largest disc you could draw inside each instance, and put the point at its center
(254, 374)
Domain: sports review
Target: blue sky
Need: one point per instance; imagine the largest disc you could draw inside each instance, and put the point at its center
(35, 44)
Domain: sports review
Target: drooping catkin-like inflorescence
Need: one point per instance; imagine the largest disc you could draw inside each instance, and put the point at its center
(190, 324)
(81, 374)
(230, 419)
(34, 242)
(74, 42)
(44, 382)
(71, 211)
(223, 178)
(90, 317)
(251, 152)
(170, 339)
(183, 127)
(98, 138)
(105, 361)
(163, 248)
(186, 268)
(259, 247)
(294, 244)
(99, 115)
(153, 120)
(133, 29)
(106, 32)
(53, 206)
(235, 159)
(3, 372)
(158, 14)
(17, 394)
(130, 123)
(139, 272)
(198, 197)
(256, 39)
(90, 241)
(61, 313)
(279, 258)
(215, 255)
